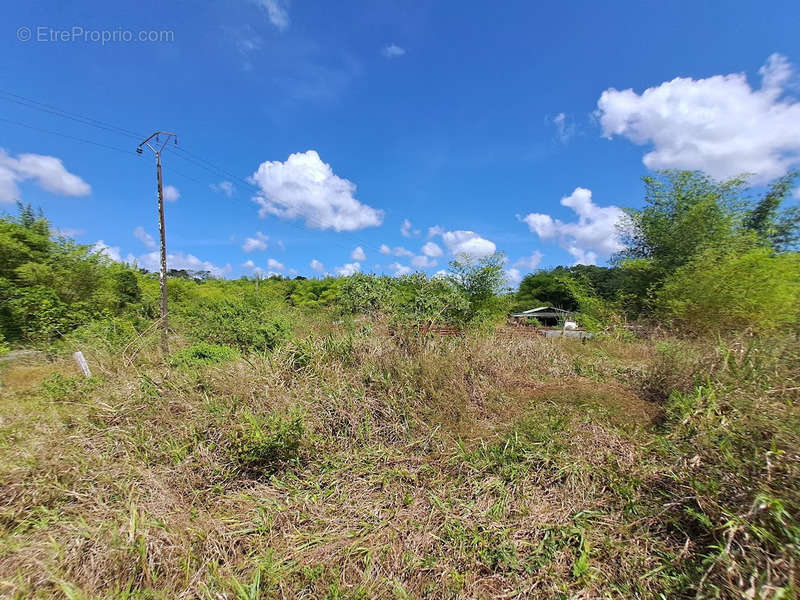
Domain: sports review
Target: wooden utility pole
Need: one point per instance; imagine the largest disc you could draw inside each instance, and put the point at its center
(157, 147)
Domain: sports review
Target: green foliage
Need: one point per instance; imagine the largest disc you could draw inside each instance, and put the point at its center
(419, 300)
(545, 288)
(202, 354)
(48, 287)
(248, 322)
(778, 229)
(723, 291)
(126, 287)
(481, 280)
(685, 213)
(264, 444)
(364, 294)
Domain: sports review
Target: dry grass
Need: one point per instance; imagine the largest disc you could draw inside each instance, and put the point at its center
(476, 468)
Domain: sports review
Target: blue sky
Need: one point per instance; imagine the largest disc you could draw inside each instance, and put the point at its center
(488, 126)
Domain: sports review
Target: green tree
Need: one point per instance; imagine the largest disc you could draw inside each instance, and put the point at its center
(482, 281)
(777, 228)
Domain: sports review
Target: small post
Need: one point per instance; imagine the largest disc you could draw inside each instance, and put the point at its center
(81, 360)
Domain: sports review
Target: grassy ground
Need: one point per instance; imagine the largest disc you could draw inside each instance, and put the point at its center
(345, 465)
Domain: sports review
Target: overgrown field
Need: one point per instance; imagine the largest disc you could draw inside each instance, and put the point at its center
(346, 462)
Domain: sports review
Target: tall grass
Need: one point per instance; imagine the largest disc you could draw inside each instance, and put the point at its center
(347, 463)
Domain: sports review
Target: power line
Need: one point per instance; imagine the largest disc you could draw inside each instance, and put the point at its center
(54, 110)
(67, 136)
(182, 153)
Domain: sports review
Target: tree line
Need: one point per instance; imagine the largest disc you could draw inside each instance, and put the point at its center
(700, 256)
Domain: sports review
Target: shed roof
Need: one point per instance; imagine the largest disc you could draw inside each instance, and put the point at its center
(544, 311)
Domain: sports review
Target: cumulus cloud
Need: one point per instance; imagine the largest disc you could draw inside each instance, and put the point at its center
(564, 128)
(435, 230)
(720, 125)
(348, 269)
(180, 260)
(249, 264)
(358, 254)
(277, 12)
(432, 250)
(423, 262)
(48, 172)
(260, 242)
(140, 234)
(530, 262)
(513, 276)
(171, 193)
(317, 265)
(467, 242)
(392, 51)
(305, 187)
(593, 235)
(224, 187)
(399, 269)
(274, 265)
(406, 229)
(152, 260)
(396, 251)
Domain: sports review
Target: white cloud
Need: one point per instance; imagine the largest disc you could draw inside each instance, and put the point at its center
(260, 242)
(152, 260)
(171, 193)
(435, 230)
(225, 187)
(406, 229)
(392, 51)
(530, 262)
(179, 260)
(48, 172)
(423, 262)
(277, 12)
(593, 235)
(274, 265)
(440, 273)
(317, 265)
(305, 187)
(719, 125)
(358, 254)
(514, 276)
(467, 242)
(396, 251)
(564, 128)
(112, 252)
(348, 269)
(432, 249)
(258, 271)
(144, 237)
(399, 269)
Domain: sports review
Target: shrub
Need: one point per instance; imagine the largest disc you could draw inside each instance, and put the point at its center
(721, 292)
(202, 354)
(264, 444)
(246, 323)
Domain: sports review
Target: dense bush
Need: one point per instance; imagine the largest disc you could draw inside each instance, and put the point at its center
(720, 291)
(201, 354)
(50, 285)
(247, 322)
(263, 444)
